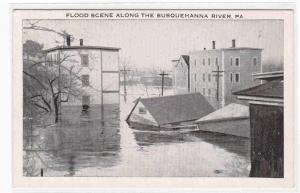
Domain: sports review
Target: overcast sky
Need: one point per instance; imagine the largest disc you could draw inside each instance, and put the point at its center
(154, 43)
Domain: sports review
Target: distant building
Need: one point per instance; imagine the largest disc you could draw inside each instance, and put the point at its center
(217, 73)
(156, 81)
(181, 70)
(266, 102)
(96, 67)
(169, 110)
(233, 119)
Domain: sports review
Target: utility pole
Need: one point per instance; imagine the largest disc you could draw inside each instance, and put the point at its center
(218, 75)
(163, 74)
(124, 70)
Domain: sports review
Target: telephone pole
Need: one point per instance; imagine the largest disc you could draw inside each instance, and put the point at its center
(163, 74)
(218, 75)
(124, 70)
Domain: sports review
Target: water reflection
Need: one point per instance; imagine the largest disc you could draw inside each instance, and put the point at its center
(233, 144)
(82, 139)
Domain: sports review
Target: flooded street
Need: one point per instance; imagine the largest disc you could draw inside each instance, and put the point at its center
(102, 144)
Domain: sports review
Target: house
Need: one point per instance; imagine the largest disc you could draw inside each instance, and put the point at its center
(181, 70)
(217, 73)
(233, 119)
(266, 102)
(169, 110)
(96, 69)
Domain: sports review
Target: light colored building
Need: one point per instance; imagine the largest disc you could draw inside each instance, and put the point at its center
(217, 73)
(181, 70)
(95, 68)
(169, 111)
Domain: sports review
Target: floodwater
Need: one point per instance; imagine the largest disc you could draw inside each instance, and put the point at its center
(102, 144)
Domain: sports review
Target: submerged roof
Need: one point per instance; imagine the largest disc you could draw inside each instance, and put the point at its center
(272, 89)
(81, 47)
(231, 111)
(177, 108)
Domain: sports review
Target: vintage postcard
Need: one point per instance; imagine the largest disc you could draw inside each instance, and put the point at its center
(186, 96)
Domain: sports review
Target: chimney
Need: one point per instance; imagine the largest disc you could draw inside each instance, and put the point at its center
(233, 43)
(81, 42)
(213, 45)
(68, 40)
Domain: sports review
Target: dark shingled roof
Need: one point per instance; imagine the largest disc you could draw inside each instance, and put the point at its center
(177, 108)
(272, 89)
(186, 59)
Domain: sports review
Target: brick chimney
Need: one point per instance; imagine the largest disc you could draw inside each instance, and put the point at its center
(68, 40)
(81, 42)
(233, 43)
(213, 45)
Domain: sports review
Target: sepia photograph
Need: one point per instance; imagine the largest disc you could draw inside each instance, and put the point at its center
(153, 98)
(185, 96)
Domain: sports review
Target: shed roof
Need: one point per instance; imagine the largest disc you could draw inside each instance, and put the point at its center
(231, 111)
(269, 76)
(177, 108)
(272, 89)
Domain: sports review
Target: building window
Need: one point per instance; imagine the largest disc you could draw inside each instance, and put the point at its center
(195, 63)
(231, 77)
(195, 77)
(203, 91)
(209, 92)
(208, 61)
(142, 110)
(237, 61)
(84, 59)
(209, 77)
(195, 89)
(231, 61)
(237, 77)
(217, 61)
(203, 77)
(85, 102)
(85, 80)
(203, 61)
(254, 61)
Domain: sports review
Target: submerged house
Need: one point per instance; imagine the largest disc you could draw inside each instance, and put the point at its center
(266, 106)
(169, 110)
(232, 119)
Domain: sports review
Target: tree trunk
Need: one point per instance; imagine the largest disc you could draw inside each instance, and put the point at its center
(56, 110)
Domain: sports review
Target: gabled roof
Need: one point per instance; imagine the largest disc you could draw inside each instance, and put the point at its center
(186, 58)
(231, 111)
(177, 108)
(272, 89)
(81, 47)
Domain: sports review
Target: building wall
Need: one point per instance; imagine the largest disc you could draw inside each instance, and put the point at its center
(181, 77)
(201, 69)
(245, 70)
(236, 127)
(202, 79)
(145, 118)
(267, 135)
(98, 60)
